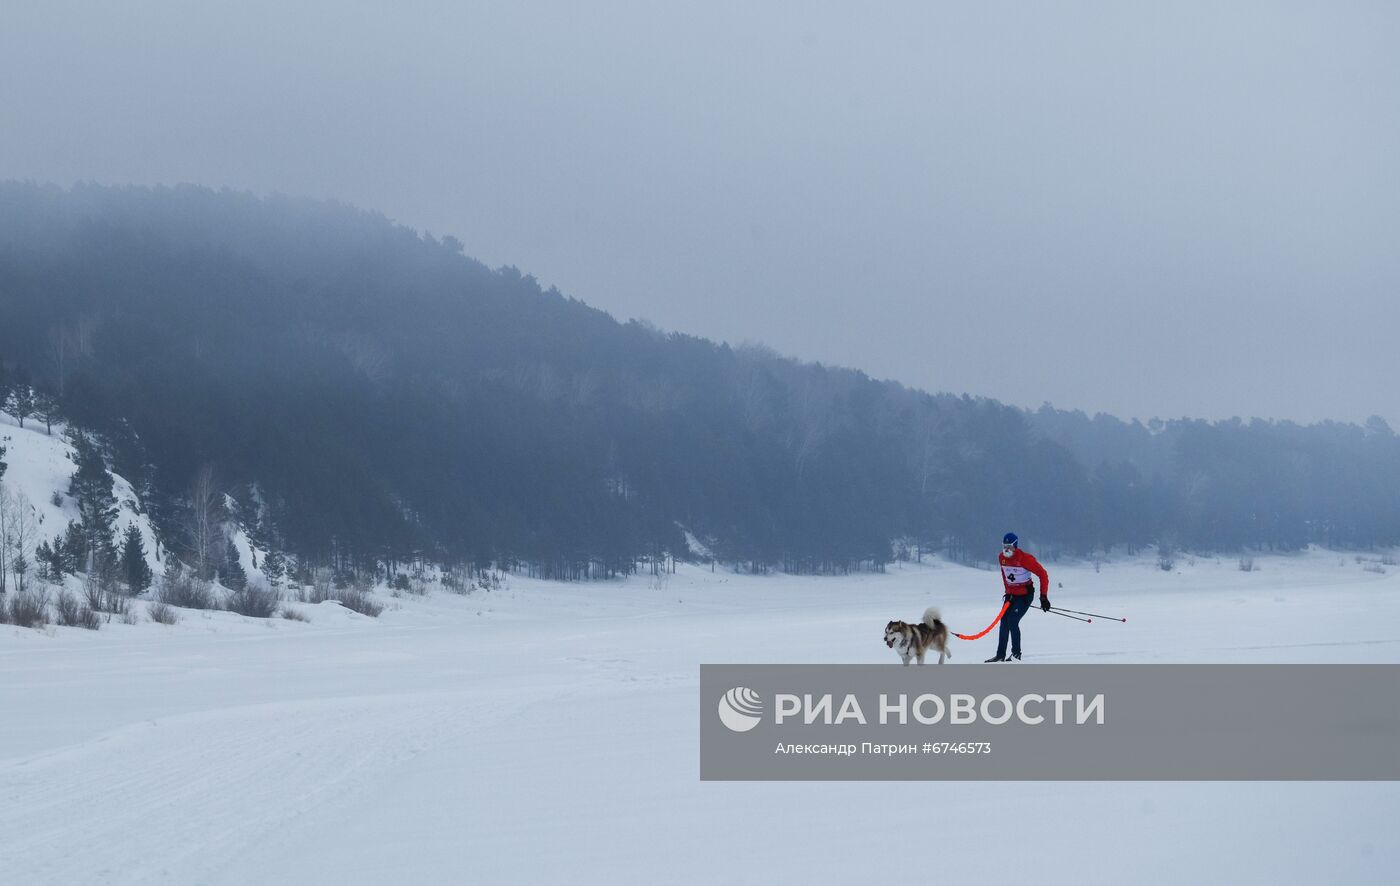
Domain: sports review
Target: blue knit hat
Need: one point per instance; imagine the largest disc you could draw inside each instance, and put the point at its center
(1009, 538)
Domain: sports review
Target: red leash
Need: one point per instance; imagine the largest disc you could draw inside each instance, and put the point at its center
(1004, 607)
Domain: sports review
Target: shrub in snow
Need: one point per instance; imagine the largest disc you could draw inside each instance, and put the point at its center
(254, 599)
(65, 608)
(1246, 564)
(181, 587)
(102, 598)
(71, 612)
(322, 588)
(356, 596)
(162, 614)
(27, 609)
(360, 600)
(293, 615)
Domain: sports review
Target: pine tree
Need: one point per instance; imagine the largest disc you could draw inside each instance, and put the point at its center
(233, 577)
(91, 487)
(21, 402)
(71, 552)
(50, 562)
(46, 410)
(133, 561)
(274, 566)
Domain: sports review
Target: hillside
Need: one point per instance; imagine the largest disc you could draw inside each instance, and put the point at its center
(376, 397)
(40, 464)
(39, 469)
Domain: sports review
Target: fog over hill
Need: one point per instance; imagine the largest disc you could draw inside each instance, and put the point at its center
(374, 396)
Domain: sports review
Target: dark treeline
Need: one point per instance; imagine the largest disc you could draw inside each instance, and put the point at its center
(376, 397)
(1232, 485)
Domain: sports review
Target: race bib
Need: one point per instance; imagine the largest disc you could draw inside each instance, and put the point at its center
(1016, 575)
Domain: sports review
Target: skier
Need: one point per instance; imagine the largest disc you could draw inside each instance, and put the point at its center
(1017, 567)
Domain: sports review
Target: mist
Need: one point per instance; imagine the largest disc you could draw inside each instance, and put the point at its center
(1143, 210)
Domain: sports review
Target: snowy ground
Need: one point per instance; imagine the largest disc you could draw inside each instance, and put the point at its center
(550, 733)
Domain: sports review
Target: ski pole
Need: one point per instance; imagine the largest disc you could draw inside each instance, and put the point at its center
(1067, 615)
(1094, 614)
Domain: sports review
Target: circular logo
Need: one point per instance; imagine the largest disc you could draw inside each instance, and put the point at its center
(740, 709)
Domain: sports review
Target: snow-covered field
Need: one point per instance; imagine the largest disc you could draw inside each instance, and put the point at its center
(549, 733)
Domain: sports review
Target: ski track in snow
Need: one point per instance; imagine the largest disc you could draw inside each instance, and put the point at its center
(213, 784)
(548, 733)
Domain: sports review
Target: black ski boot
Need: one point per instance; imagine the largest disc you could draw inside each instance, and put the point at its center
(1015, 656)
(994, 658)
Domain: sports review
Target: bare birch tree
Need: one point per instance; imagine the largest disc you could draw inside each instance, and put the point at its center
(5, 531)
(23, 530)
(68, 344)
(206, 523)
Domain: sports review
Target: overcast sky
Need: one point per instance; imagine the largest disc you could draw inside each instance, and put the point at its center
(1147, 209)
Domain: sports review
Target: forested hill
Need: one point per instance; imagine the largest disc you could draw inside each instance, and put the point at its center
(369, 394)
(1232, 485)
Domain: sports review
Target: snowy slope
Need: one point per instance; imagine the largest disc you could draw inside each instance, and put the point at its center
(549, 733)
(40, 466)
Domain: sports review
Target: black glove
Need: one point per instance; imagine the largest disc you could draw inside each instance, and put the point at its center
(1044, 603)
(1006, 598)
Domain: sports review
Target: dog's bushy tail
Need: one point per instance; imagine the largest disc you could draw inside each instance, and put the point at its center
(934, 619)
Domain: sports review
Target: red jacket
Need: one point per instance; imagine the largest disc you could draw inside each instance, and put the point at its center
(1016, 572)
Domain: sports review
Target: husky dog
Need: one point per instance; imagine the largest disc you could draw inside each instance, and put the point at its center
(912, 641)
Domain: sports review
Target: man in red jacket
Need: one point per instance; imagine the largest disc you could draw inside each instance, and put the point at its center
(1017, 570)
